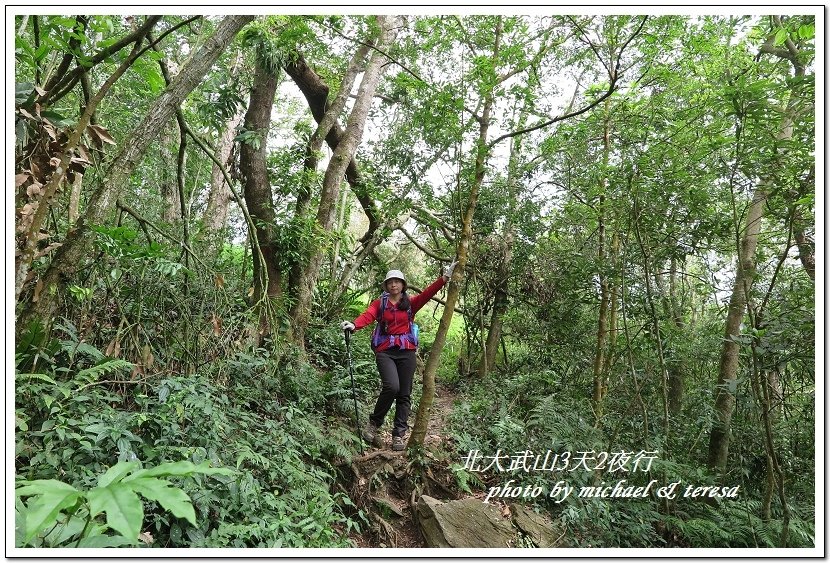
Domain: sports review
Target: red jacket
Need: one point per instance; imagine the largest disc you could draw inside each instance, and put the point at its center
(397, 321)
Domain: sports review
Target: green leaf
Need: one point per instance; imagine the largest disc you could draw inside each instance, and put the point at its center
(807, 31)
(178, 468)
(809, 200)
(155, 81)
(780, 36)
(22, 91)
(102, 369)
(66, 528)
(42, 486)
(57, 119)
(122, 507)
(64, 21)
(169, 497)
(105, 541)
(43, 512)
(42, 52)
(116, 472)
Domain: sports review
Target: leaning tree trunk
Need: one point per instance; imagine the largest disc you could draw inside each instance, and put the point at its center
(316, 91)
(335, 171)
(419, 428)
(728, 369)
(719, 436)
(71, 256)
(257, 194)
(315, 143)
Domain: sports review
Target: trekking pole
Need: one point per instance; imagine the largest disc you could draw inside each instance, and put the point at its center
(348, 335)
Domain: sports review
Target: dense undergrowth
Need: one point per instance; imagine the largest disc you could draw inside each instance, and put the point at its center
(277, 423)
(535, 409)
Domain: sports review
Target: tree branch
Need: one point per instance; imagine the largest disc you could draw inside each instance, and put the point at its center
(435, 298)
(59, 85)
(141, 219)
(612, 75)
(373, 47)
(434, 220)
(422, 248)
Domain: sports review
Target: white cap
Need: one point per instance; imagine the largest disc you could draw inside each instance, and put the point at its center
(394, 274)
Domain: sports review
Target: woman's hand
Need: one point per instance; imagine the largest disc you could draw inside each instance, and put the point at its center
(449, 270)
(346, 325)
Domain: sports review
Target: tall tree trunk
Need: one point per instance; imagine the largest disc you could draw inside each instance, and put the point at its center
(613, 307)
(419, 428)
(500, 298)
(500, 305)
(675, 361)
(215, 218)
(720, 434)
(315, 143)
(335, 171)
(316, 91)
(604, 290)
(258, 196)
(71, 255)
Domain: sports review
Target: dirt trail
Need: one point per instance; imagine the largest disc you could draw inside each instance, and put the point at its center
(386, 484)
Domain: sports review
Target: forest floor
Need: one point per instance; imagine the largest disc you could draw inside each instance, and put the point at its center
(386, 485)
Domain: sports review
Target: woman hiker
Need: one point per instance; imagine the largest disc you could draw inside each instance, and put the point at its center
(394, 342)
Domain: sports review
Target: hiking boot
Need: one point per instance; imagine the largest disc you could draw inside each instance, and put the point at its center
(398, 443)
(370, 432)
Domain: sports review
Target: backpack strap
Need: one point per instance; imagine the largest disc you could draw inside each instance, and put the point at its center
(377, 334)
(384, 299)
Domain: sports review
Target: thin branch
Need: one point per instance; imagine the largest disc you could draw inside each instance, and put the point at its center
(60, 72)
(613, 76)
(584, 38)
(73, 76)
(422, 248)
(531, 64)
(140, 218)
(373, 47)
(236, 197)
(446, 229)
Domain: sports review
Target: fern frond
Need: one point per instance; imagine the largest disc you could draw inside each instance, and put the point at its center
(110, 366)
(40, 376)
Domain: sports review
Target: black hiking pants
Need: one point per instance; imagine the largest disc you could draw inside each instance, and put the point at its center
(396, 367)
